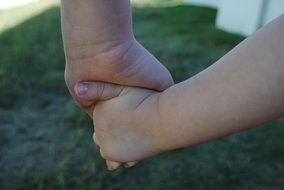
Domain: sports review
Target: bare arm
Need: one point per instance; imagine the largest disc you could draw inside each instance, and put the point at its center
(242, 90)
(94, 22)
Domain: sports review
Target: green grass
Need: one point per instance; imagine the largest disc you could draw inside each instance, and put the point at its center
(45, 140)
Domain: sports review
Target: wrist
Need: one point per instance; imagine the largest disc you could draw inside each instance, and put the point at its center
(168, 119)
(95, 22)
(164, 135)
(111, 49)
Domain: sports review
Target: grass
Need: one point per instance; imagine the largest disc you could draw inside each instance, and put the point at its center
(156, 3)
(45, 140)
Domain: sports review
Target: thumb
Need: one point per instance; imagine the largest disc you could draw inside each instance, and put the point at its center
(90, 92)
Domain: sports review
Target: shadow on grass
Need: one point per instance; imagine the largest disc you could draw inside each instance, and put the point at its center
(46, 140)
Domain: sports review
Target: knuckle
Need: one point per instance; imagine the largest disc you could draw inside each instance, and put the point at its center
(107, 152)
(99, 89)
(104, 154)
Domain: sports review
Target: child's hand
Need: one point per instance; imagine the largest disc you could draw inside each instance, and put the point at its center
(127, 127)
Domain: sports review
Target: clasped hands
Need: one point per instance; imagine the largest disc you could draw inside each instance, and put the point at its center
(118, 85)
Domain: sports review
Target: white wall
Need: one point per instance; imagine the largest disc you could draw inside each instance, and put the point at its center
(274, 9)
(240, 16)
(243, 16)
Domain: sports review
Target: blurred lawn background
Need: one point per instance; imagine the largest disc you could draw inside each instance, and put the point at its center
(46, 141)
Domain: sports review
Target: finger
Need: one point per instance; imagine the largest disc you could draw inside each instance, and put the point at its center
(86, 95)
(111, 165)
(130, 164)
(84, 104)
(89, 92)
(93, 91)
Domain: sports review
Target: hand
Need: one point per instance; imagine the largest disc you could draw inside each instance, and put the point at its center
(127, 63)
(100, 46)
(127, 127)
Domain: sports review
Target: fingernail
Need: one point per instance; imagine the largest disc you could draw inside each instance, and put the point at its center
(82, 88)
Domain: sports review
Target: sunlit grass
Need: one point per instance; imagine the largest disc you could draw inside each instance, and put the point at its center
(11, 17)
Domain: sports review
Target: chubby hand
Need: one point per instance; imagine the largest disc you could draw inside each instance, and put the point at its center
(125, 63)
(127, 123)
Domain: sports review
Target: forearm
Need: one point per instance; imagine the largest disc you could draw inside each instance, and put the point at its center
(242, 90)
(91, 22)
